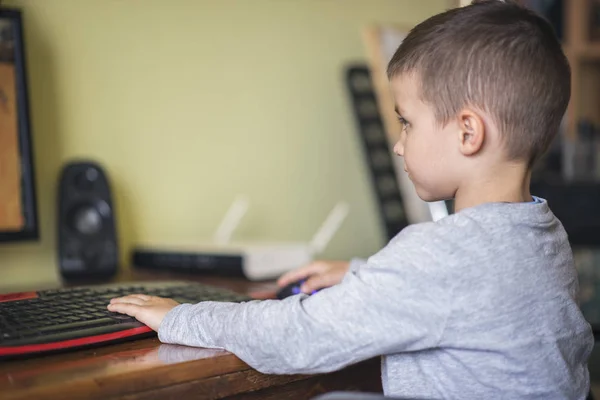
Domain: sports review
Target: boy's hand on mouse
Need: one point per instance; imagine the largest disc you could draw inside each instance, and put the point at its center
(149, 310)
(318, 275)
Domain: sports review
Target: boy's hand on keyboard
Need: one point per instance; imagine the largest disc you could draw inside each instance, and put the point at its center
(318, 275)
(149, 310)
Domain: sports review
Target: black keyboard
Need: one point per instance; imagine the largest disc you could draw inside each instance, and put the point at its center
(62, 319)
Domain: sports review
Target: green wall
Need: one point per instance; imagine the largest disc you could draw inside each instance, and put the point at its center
(188, 103)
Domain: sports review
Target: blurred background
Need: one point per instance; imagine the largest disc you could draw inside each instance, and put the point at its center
(189, 103)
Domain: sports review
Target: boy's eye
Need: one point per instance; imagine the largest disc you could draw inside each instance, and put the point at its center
(404, 123)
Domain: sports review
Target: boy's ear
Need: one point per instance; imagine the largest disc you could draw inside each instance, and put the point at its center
(471, 132)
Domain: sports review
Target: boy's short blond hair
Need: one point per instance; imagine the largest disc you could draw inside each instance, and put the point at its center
(496, 56)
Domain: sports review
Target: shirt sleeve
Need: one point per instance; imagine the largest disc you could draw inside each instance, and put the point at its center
(355, 264)
(397, 301)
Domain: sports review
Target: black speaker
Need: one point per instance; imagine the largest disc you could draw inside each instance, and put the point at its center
(87, 237)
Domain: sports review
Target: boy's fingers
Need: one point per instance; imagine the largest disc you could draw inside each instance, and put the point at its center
(125, 308)
(315, 282)
(301, 273)
(294, 275)
(131, 299)
(144, 297)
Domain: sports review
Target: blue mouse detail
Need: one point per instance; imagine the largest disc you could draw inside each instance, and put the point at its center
(292, 289)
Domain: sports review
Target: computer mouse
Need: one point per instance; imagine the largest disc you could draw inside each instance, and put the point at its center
(291, 289)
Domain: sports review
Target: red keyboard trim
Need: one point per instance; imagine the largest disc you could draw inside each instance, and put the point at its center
(65, 344)
(18, 296)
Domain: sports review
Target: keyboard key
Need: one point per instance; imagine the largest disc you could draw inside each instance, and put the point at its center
(76, 325)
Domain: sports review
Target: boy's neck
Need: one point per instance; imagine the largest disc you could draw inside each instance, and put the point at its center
(508, 184)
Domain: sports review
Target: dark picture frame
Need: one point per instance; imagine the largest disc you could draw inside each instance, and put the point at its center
(12, 54)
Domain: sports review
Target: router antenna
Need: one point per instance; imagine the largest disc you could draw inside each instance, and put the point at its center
(231, 220)
(329, 227)
(438, 210)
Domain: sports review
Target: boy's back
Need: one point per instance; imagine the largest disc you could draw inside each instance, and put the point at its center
(514, 329)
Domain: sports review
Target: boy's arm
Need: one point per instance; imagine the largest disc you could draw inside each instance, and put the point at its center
(396, 302)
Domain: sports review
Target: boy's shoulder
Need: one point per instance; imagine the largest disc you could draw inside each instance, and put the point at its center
(485, 231)
(492, 216)
(420, 244)
(426, 232)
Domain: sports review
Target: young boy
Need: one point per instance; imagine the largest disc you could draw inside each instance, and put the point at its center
(479, 305)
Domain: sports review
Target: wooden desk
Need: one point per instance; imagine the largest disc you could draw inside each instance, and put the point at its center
(148, 369)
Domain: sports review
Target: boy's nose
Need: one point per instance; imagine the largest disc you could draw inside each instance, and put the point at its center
(399, 148)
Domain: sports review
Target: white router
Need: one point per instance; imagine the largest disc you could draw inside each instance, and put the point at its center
(254, 260)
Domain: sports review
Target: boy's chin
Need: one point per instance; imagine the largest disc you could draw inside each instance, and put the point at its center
(430, 197)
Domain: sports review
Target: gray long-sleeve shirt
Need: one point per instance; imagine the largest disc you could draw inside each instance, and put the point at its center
(481, 304)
